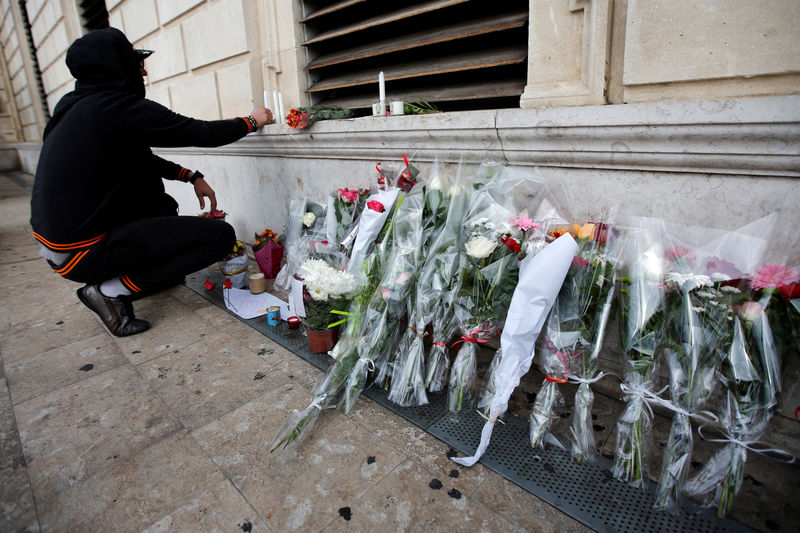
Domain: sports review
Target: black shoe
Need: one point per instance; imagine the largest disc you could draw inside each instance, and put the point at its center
(116, 313)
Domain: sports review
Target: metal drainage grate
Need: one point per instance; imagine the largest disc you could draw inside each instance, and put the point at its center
(586, 492)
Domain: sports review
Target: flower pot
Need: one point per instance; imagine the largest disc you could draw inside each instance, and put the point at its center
(322, 341)
(269, 259)
(235, 269)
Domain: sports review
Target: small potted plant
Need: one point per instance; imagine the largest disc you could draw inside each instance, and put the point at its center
(325, 289)
(216, 214)
(234, 266)
(268, 252)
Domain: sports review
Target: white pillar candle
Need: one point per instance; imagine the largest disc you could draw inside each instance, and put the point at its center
(382, 93)
(275, 106)
(280, 106)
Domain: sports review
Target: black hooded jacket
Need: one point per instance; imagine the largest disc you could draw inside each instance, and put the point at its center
(96, 170)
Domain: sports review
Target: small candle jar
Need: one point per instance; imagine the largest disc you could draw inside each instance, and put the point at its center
(258, 283)
(293, 321)
(397, 107)
(378, 108)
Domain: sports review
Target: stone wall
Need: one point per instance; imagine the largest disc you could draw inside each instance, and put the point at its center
(22, 116)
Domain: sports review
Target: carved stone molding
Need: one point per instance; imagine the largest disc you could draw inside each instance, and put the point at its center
(750, 136)
(568, 53)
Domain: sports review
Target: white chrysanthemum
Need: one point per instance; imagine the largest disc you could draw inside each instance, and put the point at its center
(324, 282)
(718, 277)
(688, 282)
(309, 218)
(730, 289)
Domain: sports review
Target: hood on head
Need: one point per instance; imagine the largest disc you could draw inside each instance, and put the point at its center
(105, 59)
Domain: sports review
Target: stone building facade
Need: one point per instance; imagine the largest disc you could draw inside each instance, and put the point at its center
(675, 108)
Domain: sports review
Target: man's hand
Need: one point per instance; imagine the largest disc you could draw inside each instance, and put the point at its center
(201, 189)
(262, 115)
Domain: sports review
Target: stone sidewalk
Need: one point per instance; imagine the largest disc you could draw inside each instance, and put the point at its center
(168, 430)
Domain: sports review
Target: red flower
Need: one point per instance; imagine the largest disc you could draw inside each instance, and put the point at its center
(404, 182)
(297, 119)
(790, 292)
(510, 243)
(581, 262)
(375, 206)
(602, 230)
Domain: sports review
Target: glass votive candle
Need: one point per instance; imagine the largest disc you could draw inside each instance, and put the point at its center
(378, 108)
(293, 321)
(397, 107)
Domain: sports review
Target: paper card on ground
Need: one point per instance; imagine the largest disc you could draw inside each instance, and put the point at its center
(249, 305)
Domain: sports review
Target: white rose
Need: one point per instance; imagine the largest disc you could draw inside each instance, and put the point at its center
(308, 219)
(480, 247)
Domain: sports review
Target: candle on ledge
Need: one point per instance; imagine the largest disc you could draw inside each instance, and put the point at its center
(280, 106)
(382, 93)
(275, 106)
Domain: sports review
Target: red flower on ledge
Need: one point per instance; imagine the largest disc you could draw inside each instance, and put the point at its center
(375, 206)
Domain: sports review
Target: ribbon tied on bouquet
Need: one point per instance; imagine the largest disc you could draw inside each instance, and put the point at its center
(756, 446)
(650, 398)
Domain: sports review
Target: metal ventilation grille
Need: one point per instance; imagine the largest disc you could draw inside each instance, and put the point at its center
(94, 14)
(455, 54)
(586, 492)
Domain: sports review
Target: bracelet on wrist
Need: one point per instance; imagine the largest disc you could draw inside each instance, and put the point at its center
(196, 176)
(253, 123)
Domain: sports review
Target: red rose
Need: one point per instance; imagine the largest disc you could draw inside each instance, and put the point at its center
(375, 206)
(581, 262)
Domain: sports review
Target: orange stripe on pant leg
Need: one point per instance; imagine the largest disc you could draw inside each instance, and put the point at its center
(128, 283)
(72, 263)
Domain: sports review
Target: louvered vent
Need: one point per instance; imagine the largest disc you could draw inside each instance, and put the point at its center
(455, 54)
(94, 14)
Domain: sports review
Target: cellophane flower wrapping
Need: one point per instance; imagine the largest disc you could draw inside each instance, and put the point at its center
(641, 317)
(394, 293)
(764, 335)
(574, 331)
(698, 330)
(490, 272)
(370, 223)
(305, 226)
(344, 207)
(436, 287)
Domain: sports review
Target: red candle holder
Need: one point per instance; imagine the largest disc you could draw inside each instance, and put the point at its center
(293, 321)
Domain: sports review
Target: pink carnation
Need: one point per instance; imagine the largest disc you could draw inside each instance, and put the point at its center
(773, 275)
(348, 196)
(524, 223)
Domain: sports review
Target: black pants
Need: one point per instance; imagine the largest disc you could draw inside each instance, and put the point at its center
(153, 253)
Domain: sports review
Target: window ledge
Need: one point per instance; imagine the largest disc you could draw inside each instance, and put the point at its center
(750, 136)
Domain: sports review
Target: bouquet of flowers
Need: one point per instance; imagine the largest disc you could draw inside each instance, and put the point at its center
(492, 244)
(764, 330)
(641, 317)
(324, 289)
(698, 331)
(437, 279)
(303, 117)
(305, 223)
(268, 251)
(216, 214)
(372, 323)
(234, 265)
(344, 207)
(574, 333)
